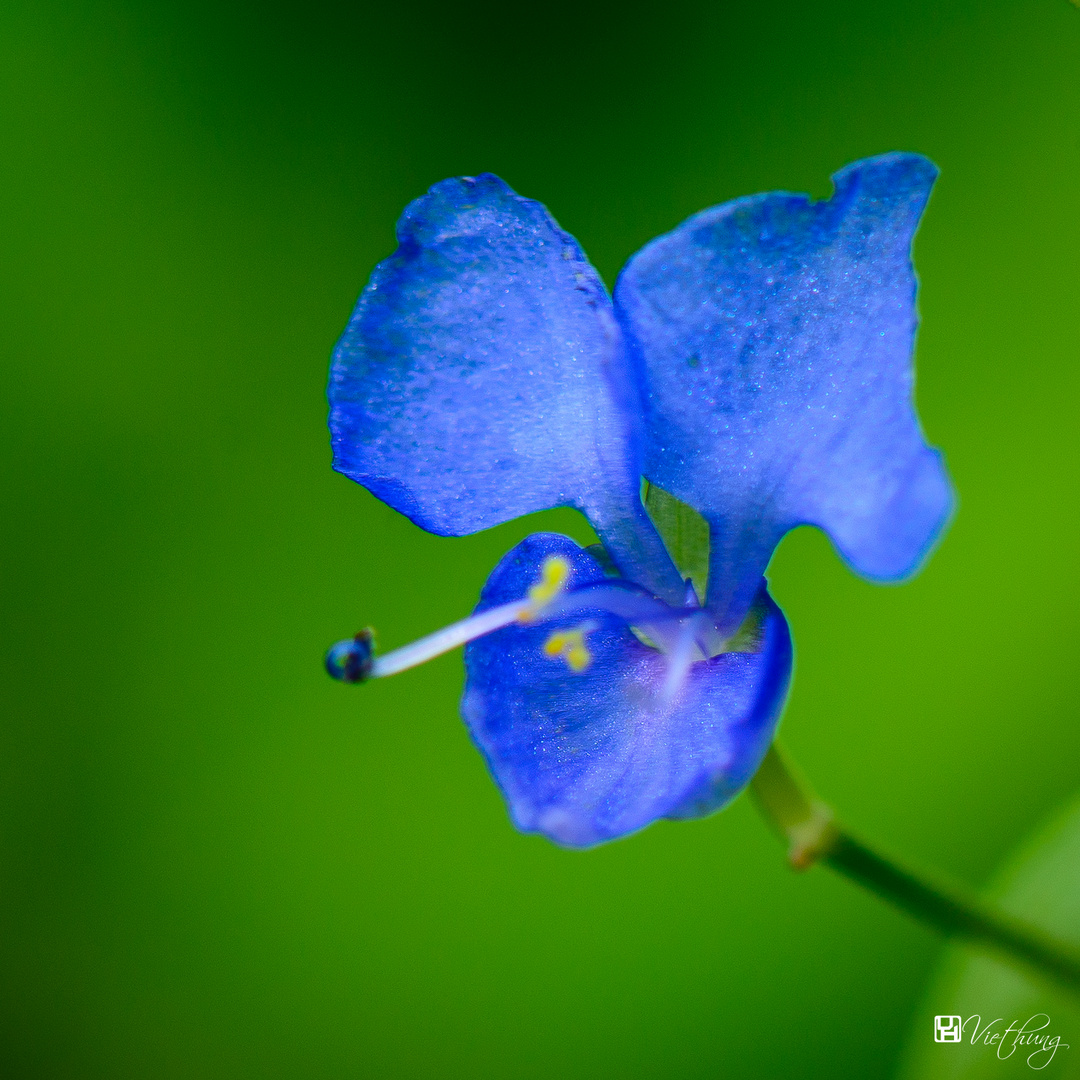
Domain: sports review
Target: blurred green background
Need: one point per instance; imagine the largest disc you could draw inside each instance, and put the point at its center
(217, 863)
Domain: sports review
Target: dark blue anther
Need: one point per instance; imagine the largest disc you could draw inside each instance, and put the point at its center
(350, 660)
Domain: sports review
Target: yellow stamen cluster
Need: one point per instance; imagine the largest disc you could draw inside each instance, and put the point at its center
(553, 577)
(570, 645)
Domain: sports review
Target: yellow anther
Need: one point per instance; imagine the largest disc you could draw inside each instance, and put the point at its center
(570, 645)
(553, 576)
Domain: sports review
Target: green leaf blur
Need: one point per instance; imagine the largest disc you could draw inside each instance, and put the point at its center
(219, 864)
(1040, 884)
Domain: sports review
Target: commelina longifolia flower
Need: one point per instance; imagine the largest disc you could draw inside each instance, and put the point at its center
(753, 367)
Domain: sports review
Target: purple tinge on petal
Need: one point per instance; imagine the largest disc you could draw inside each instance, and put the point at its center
(482, 377)
(584, 757)
(774, 337)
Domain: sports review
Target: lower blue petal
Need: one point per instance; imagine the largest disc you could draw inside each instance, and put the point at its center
(584, 757)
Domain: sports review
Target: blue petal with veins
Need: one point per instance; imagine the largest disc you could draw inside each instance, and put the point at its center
(773, 337)
(482, 377)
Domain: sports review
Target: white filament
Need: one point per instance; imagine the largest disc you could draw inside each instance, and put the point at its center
(449, 637)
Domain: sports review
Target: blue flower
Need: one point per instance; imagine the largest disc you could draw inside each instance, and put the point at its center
(754, 365)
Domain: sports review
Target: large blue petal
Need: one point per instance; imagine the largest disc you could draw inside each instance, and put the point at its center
(774, 336)
(590, 756)
(482, 377)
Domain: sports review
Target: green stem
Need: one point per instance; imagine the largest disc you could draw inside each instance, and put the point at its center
(814, 835)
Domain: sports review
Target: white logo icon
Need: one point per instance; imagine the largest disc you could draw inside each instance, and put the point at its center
(947, 1028)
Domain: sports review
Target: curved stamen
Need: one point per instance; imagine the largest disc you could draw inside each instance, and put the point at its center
(353, 660)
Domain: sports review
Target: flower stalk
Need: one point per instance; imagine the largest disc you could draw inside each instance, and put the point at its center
(815, 835)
